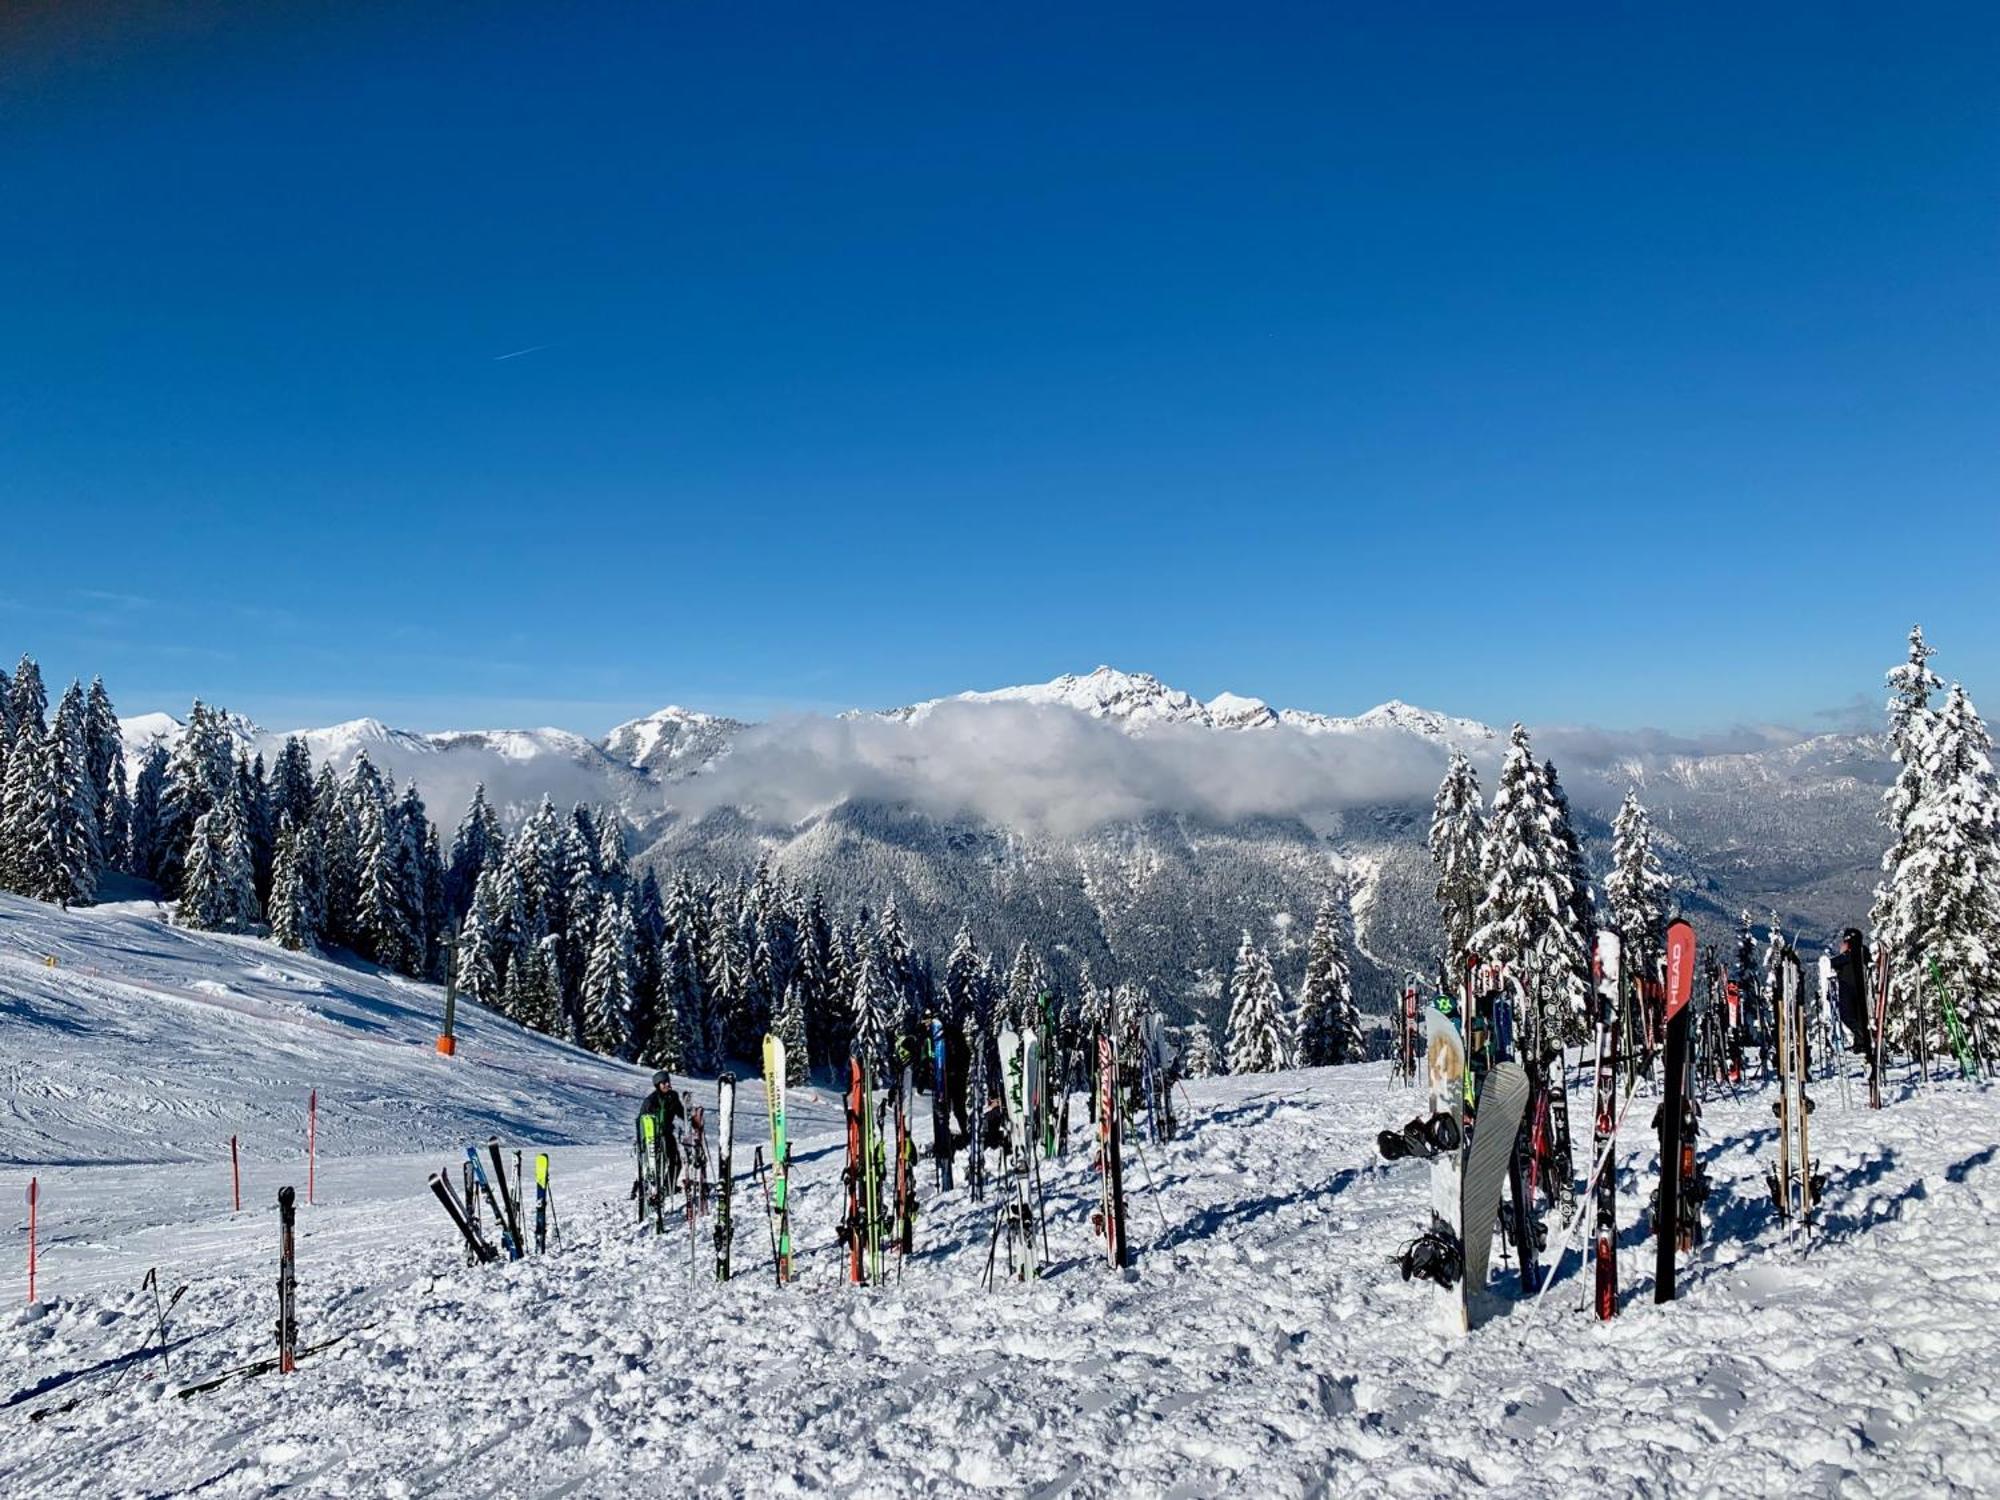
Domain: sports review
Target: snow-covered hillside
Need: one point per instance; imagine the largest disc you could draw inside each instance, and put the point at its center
(1263, 1344)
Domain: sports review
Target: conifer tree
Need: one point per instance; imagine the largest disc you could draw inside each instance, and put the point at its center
(292, 782)
(608, 991)
(290, 910)
(1457, 845)
(142, 838)
(1259, 1039)
(1637, 887)
(1911, 685)
(1024, 988)
(871, 1020)
(478, 962)
(791, 1030)
(201, 771)
(1198, 1051)
(336, 838)
(1329, 1026)
(106, 755)
(27, 699)
(1945, 892)
(74, 855)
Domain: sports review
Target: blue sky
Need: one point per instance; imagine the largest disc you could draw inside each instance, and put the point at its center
(1610, 365)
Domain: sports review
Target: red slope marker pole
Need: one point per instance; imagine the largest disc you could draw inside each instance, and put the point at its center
(34, 1192)
(312, 1139)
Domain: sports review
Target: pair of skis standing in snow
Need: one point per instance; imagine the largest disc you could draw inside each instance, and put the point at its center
(1481, 1137)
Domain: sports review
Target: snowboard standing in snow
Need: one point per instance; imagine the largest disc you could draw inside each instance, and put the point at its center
(1437, 1254)
(1495, 1131)
(725, 1135)
(1674, 1121)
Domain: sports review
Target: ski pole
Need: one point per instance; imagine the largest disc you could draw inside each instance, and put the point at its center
(1151, 1190)
(1577, 1216)
(770, 1221)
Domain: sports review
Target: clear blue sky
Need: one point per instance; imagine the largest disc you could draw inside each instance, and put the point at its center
(1625, 365)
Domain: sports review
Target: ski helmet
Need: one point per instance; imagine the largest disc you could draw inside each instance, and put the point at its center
(663, 1079)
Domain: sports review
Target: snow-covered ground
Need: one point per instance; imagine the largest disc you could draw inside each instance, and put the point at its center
(1262, 1345)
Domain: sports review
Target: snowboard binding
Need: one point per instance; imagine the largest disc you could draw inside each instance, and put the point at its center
(1433, 1256)
(1420, 1138)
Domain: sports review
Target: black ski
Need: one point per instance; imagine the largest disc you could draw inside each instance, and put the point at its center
(475, 1243)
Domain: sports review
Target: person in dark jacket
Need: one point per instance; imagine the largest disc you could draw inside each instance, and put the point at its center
(1850, 973)
(665, 1106)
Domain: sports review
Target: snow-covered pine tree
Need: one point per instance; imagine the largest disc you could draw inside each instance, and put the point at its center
(1329, 1026)
(334, 835)
(27, 699)
(477, 844)
(1527, 917)
(106, 755)
(290, 909)
(608, 990)
(1198, 1051)
(28, 811)
(201, 899)
(1259, 1038)
(791, 1030)
(1024, 988)
(75, 855)
(725, 970)
(961, 973)
(292, 782)
(1911, 685)
(1945, 891)
(200, 772)
(1093, 1008)
(142, 836)
(1567, 946)
(871, 1019)
(479, 963)
(383, 930)
(1637, 887)
(1457, 845)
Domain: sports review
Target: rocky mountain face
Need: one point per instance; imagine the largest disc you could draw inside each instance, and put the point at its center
(1162, 886)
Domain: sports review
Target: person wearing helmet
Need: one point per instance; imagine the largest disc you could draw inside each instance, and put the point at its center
(664, 1105)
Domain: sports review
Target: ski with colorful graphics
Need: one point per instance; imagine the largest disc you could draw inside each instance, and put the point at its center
(781, 1155)
(853, 1230)
(541, 1202)
(1681, 957)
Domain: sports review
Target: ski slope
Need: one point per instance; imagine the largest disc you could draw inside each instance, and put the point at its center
(1262, 1345)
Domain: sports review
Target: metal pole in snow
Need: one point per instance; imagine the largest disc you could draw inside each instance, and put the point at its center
(235, 1177)
(34, 1193)
(312, 1139)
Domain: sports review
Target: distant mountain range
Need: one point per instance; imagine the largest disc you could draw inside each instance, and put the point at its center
(1113, 820)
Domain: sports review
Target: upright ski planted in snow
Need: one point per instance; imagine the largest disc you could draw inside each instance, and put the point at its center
(1111, 1207)
(1681, 955)
(781, 1156)
(1603, 1138)
(288, 1322)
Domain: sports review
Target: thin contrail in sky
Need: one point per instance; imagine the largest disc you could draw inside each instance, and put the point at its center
(531, 349)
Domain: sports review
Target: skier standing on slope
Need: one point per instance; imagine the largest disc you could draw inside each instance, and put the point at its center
(665, 1106)
(1850, 972)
